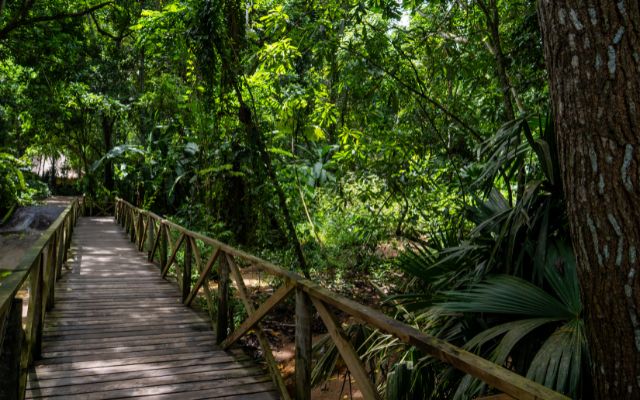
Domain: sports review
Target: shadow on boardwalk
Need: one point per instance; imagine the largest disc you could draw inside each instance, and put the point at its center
(119, 331)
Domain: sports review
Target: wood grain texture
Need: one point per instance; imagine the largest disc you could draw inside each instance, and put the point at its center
(118, 330)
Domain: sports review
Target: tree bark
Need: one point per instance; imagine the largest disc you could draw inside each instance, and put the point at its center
(107, 136)
(593, 59)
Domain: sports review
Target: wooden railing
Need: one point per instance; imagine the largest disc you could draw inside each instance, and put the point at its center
(35, 276)
(156, 235)
(97, 208)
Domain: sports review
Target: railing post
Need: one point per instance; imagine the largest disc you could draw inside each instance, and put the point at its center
(141, 231)
(223, 300)
(60, 259)
(68, 234)
(11, 352)
(36, 292)
(132, 223)
(186, 270)
(163, 245)
(123, 214)
(151, 233)
(303, 345)
(52, 270)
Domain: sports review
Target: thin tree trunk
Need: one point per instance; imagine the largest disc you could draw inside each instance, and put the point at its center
(509, 93)
(592, 53)
(228, 48)
(107, 135)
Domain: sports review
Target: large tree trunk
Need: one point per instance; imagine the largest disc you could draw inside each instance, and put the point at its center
(593, 57)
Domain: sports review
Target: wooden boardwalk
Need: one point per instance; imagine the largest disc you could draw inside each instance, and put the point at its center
(120, 331)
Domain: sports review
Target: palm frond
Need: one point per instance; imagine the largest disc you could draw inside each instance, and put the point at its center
(505, 294)
(558, 363)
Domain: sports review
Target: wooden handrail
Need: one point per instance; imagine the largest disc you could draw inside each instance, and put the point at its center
(143, 225)
(42, 265)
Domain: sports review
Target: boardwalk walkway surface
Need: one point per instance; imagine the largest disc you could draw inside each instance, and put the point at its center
(120, 331)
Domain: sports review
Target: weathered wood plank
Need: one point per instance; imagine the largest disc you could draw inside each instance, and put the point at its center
(181, 390)
(142, 372)
(42, 376)
(211, 378)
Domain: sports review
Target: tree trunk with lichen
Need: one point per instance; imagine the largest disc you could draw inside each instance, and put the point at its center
(592, 52)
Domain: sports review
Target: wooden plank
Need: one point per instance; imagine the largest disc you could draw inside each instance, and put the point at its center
(347, 351)
(128, 349)
(142, 339)
(217, 388)
(91, 389)
(143, 372)
(42, 377)
(252, 391)
(88, 365)
(133, 354)
(124, 329)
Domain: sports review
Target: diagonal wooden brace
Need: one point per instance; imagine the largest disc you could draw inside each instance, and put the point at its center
(264, 343)
(203, 276)
(258, 314)
(173, 254)
(346, 350)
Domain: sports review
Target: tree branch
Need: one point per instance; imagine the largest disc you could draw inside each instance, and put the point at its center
(21, 20)
(103, 31)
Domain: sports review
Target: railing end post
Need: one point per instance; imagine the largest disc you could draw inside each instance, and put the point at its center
(303, 345)
(11, 352)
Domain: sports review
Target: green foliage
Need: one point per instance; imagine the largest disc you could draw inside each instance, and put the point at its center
(13, 187)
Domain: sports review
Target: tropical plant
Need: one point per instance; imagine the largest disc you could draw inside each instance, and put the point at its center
(508, 290)
(531, 330)
(12, 185)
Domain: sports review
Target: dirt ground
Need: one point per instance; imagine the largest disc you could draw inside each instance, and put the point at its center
(337, 388)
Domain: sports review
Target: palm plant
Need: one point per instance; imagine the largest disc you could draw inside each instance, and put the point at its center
(523, 316)
(508, 290)
(12, 184)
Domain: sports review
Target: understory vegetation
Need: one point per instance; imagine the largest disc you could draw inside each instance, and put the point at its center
(406, 146)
